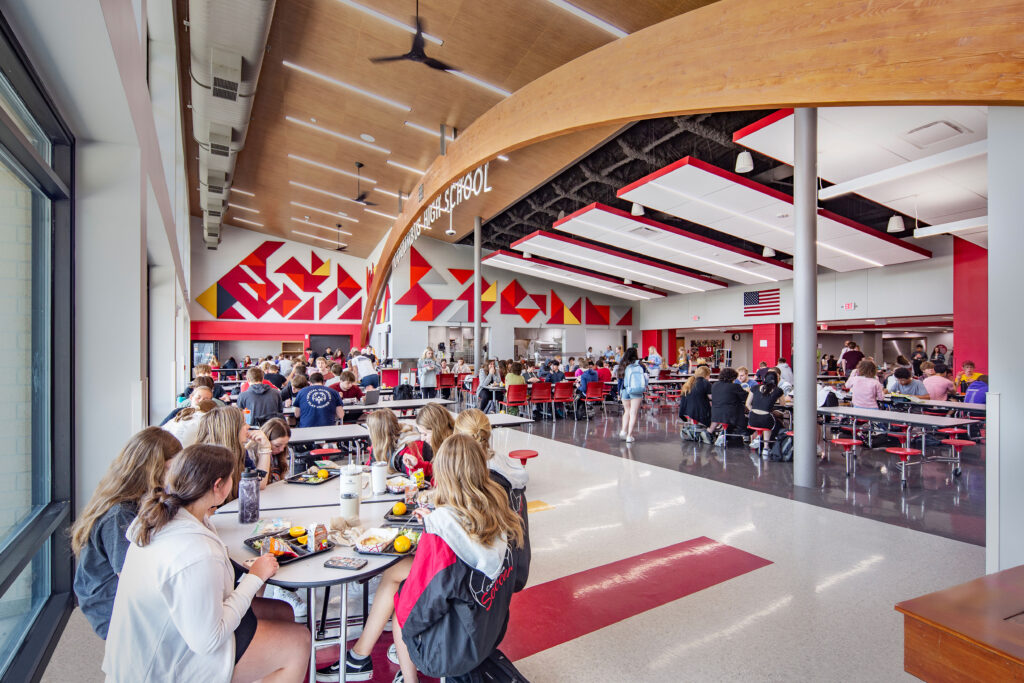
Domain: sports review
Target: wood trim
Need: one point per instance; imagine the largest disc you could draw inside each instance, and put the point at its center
(808, 55)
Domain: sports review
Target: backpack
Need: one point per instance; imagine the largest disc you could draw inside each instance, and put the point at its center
(496, 667)
(636, 379)
(403, 392)
(782, 449)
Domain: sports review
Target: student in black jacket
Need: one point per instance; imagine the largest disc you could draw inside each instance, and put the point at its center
(728, 401)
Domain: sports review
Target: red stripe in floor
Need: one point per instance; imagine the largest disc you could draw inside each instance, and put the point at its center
(558, 611)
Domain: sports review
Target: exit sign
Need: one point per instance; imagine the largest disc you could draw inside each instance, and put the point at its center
(848, 306)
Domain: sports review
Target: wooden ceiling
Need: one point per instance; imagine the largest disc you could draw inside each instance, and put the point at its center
(507, 43)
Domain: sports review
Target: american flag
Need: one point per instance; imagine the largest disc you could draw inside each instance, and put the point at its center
(761, 302)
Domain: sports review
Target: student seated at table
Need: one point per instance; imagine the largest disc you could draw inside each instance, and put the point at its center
(293, 387)
(902, 382)
(272, 374)
(831, 365)
(316, 405)
(204, 370)
(323, 366)
(937, 382)
(435, 424)
(927, 369)
(865, 389)
(694, 402)
(390, 440)
(246, 383)
(350, 394)
(589, 375)
(514, 378)
(178, 615)
(744, 380)
(199, 394)
(553, 373)
(784, 384)
(97, 536)
(185, 424)
(279, 434)
(531, 373)
(261, 399)
(761, 404)
(488, 377)
(762, 370)
(227, 427)
(967, 375)
(334, 381)
(728, 405)
(977, 390)
(461, 367)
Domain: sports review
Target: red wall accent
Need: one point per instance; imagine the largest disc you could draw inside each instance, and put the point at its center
(649, 338)
(770, 352)
(970, 303)
(221, 330)
(785, 344)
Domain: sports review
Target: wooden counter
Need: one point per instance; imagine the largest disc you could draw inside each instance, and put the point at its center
(971, 632)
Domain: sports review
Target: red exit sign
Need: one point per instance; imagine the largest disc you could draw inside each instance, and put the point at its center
(848, 306)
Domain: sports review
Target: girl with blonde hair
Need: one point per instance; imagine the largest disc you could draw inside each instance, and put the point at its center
(97, 537)
(390, 440)
(435, 424)
(426, 370)
(694, 402)
(226, 427)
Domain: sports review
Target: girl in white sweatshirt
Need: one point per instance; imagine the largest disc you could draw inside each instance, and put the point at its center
(178, 615)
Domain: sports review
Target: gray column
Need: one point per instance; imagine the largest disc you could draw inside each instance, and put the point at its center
(805, 297)
(477, 354)
(1004, 477)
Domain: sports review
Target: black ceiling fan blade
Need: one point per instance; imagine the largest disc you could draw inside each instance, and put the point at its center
(361, 197)
(395, 58)
(438, 64)
(418, 42)
(368, 203)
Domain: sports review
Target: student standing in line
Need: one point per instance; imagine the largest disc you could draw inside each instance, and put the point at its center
(654, 362)
(937, 356)
(426, 369)
(97, 537)
(632, 387)
(852, 358)
(917, 357)
(178, 615)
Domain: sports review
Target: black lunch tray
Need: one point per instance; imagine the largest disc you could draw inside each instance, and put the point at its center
(300, 550)
(296, 478)
(389, 549)
(408, 519)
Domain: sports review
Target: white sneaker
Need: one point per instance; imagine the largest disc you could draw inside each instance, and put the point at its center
(291, 597)
(393, 654)
(755, 443)
(622, 434)
(630, 439)
(720, 441)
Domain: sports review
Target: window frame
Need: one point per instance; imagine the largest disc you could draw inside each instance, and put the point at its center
(53, 519)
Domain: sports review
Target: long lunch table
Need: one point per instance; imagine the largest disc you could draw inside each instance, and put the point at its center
(890, 416)
(949, 405)
(331, 433)
(408, 404)
(496, 420)
(311, 573)
(284, 496)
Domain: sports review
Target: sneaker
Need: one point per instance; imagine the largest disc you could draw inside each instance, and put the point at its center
(399, 678)
(705, 436)
(630, 439)
(755, 443)
(291, 597)
(355, 670)
(720, 441)
(622, 434)
(393, 654)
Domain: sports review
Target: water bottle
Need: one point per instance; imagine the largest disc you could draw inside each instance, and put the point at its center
(249, 497)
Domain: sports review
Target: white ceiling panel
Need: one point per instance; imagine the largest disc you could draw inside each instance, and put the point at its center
(722, 200)
(648, 238)
(567, 275)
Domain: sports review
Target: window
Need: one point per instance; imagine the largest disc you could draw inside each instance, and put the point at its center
(36, 453)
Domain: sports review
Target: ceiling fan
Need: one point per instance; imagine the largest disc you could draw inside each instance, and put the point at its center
(341, 245)
(416, 53)
(361, 196)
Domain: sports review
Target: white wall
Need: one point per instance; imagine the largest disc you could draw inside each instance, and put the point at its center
(252, 348)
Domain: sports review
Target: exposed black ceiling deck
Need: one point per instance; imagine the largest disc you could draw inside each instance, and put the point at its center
(645, 147)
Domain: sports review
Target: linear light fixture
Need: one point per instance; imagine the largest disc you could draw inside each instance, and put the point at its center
(317, 225)
(483, 84)
(323, 192)
(340, 136)
(247, 194)
(428, 131)
(243, 220)
(502, 157)
(347, 86)
(388, 20)
(548, 275)
(590, 18)
(340, 215)
(955, 226)
(405, 168)
(243, 208)
(382, 215)
(327, 167)
(317, 237)
(387, 192)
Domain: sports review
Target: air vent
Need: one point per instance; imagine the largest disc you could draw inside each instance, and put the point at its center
(220, 139)
(643, 230)
(215, 182)
(748, 263)
(933, 133)
(226, 69)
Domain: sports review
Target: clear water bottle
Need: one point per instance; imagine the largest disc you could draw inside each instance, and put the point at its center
(249, 497)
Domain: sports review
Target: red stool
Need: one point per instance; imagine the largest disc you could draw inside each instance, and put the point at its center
(325, 452)
(955, 446)
(953, 431)
(850, 451)
(762, 434)
(522, 455)
(904, 455)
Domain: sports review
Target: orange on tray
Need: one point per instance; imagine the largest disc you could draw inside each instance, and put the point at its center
(402, 544)
(399, 509)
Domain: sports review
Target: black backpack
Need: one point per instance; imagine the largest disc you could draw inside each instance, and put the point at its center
(496, 668)
(403, 392)
(782, 449)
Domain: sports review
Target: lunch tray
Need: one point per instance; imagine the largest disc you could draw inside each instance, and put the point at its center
(300, 550)
(394, 489)
(389, 549)
(408, 519)
(298, 478)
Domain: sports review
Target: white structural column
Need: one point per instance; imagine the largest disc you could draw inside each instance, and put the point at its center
(1004, 466)
(477, 352)
(805, 297)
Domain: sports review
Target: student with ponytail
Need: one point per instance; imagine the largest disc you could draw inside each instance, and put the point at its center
(97, 538)
(178, 615)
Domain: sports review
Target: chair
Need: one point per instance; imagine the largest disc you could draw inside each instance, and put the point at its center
(445, 382)
(595, 394)
(470, 394)
(563, 394)
(390, 377)
(515, 396)
(522, 455)
(904, 455)
(850, 451)
(540, 394)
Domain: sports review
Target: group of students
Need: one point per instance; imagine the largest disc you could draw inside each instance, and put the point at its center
(733, 403)
(866, 383)
(156, 582)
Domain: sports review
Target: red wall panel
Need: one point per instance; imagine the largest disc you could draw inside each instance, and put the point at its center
(649, 338)
(970, 303)
(785, 344)
(766, 345)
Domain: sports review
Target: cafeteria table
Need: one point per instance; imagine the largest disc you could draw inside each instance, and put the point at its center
(890, 416)
(951, 405)
(496, 420)
(311, 573)
(284, 496)
(331, 433)
(407, 404)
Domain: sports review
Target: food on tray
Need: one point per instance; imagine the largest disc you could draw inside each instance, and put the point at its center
(316, 538)
(375, 540)
(399, 509)
(402, 544)
(323, 474)
(302, 539)
(297, 531)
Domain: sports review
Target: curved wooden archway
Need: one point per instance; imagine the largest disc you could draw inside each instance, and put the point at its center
(738, 54)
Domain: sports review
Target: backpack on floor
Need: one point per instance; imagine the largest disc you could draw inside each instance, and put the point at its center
(782, 449)
(495, 669)
(403, 392)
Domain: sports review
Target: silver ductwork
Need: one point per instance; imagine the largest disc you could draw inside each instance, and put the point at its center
(227, 41)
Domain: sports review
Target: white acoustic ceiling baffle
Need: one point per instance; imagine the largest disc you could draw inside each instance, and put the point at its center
(707, 195)
(567, 275)
(624, 265)
(649, 238)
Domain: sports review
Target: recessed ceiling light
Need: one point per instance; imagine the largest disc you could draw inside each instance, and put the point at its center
(313, 119)
(323, 192)
(340, 136)
(405, 168)
(317, 237)
(387, 192)
(327, 167)
(346, 86)
(588, 17)
(385, 18)
(243, 208)
(502, 157)
(378, 213)
(243, 220)
(317, 225)
(334, 214)
(367, 137)
(247, 194)
(428, 131)
(483, 84)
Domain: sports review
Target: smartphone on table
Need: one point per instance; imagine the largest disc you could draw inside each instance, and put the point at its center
(345, 563)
